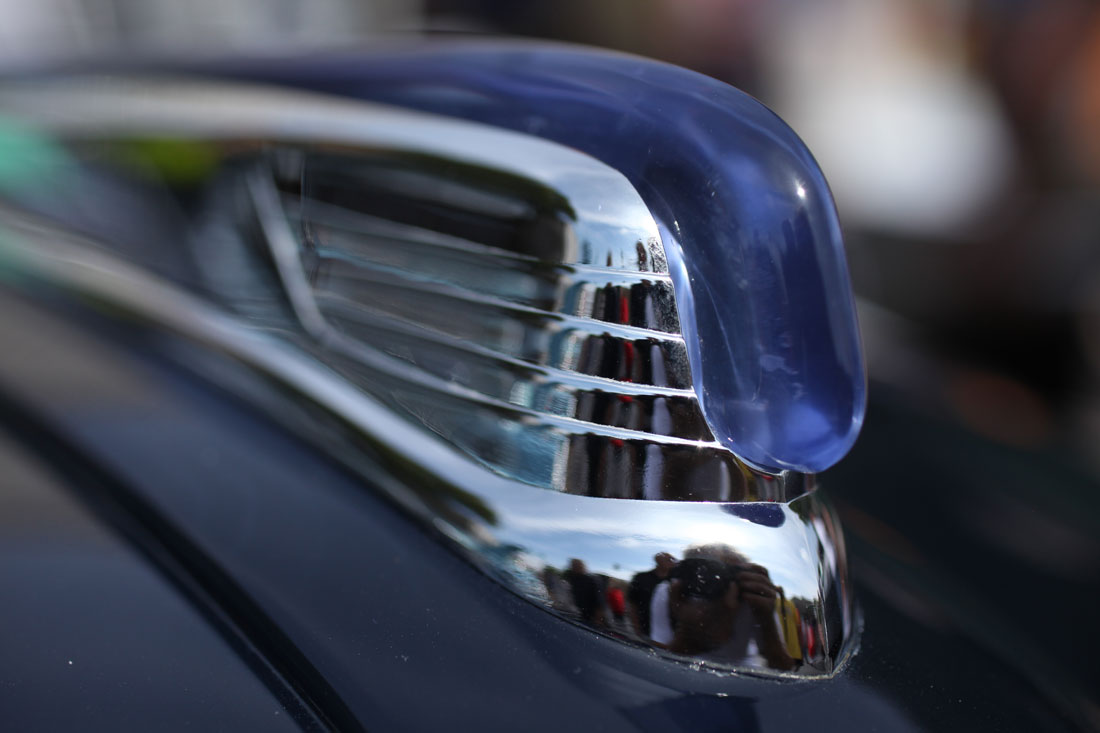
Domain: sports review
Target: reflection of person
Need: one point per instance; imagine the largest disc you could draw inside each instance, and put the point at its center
(586, 592)
(724, 608)
(642, 586)
(616, 602)
(660, 619)
(558, 590)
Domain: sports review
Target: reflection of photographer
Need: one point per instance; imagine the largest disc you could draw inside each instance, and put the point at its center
(724, 608)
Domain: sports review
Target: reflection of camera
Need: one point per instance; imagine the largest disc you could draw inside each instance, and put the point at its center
(707, 579)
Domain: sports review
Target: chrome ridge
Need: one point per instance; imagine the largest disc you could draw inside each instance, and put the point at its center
(406, 352)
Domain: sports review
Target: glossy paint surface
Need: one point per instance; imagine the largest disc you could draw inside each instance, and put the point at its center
(746, 217)
(95, 637)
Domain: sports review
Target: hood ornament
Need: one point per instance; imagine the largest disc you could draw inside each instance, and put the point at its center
(512, 334)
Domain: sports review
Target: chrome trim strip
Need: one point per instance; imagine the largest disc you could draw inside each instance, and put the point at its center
(577, 289)
(100, 107)
(510, 382)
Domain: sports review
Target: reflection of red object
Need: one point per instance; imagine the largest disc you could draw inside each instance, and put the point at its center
(628, 359)
(616, 601)
(628, 347)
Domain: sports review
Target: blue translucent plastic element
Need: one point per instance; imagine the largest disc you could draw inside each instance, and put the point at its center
(749, 225)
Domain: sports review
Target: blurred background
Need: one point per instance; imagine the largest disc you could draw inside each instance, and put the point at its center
(962, 142)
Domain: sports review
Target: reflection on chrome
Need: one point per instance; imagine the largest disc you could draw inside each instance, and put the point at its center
(468, 318)
(743, 585)
(750, 585)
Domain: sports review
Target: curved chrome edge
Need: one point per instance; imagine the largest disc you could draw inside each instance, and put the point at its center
(98, 107)
(578, 557)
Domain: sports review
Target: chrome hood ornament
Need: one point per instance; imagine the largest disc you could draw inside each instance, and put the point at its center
(509, 336)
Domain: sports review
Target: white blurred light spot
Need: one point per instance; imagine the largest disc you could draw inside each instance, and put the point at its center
(919, 152)
(908, 140)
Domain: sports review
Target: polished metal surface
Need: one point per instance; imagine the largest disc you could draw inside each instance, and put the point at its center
(509, 293)
(467, 317)
(752, 586)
